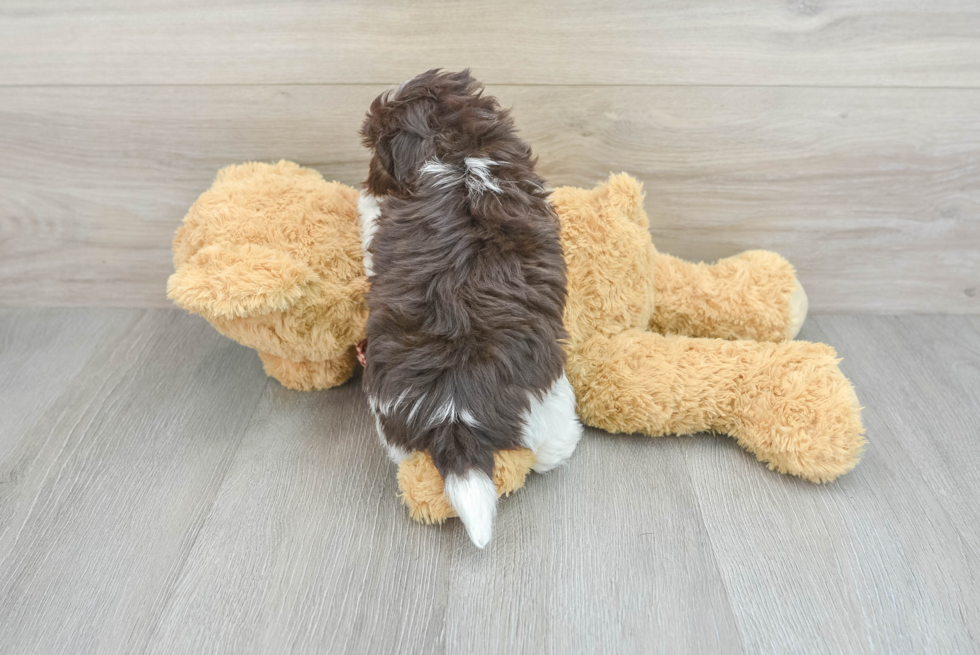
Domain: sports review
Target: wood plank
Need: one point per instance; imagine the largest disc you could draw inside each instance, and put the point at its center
(874, 194)
(756, 42)
(877, 561)
(104, 495)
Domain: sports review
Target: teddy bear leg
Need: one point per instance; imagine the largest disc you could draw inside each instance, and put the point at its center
(799, 414)
(420, 485)
(788, 403)
(754, 295)
(306, 375)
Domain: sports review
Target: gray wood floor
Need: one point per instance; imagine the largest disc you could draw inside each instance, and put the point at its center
(159, 494)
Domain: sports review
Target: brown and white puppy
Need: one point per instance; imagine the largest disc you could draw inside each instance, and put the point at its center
(467, 290)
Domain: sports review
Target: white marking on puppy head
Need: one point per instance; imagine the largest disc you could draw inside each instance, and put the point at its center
(368, 209)
(551, 428)
(446, 174)
(474, 498)
(476, 174)
(478, 178)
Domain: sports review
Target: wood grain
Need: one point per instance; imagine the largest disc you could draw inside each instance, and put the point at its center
(753, 42)
(891, 518)
(902, 355)
(309, 518)
(874, 194)
(105, 492)
(635, 575)
(159, 495)
(31, 385)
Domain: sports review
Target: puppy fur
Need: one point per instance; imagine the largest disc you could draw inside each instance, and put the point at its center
(467, 290)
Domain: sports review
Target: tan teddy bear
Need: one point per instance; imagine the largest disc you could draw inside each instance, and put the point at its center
(271, 256)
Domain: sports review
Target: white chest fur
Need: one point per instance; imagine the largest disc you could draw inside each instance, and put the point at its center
(369, 209)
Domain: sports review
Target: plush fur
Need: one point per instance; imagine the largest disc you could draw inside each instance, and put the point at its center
(740, 297)
(785, 401)
(271, 256)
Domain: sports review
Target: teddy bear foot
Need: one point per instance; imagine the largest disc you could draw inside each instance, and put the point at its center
(808, 423)
(420, 485)
(799, 305)
(306, 375)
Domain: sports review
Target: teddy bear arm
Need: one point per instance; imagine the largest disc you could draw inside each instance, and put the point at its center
(754, 295)
(788, 403)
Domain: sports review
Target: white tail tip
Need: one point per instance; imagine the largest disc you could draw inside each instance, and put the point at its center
(474, 498)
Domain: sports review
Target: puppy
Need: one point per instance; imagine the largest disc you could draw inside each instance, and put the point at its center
(467, 290)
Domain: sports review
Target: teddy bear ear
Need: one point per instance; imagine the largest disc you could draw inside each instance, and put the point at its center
(239, 281)
(624, 193)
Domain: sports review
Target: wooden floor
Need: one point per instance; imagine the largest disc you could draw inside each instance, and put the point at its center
(159, 494)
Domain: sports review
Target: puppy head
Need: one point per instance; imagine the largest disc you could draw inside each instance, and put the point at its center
(407, 126)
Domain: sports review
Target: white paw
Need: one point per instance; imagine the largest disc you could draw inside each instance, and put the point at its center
(552, 454)
(552, 430)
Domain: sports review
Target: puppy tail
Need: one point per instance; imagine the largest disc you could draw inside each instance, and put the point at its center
(474, 497)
